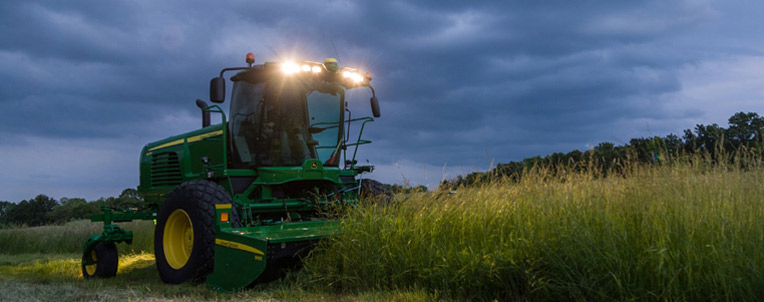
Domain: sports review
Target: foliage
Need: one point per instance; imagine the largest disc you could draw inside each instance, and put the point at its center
(31, 212)
(5, 207)
(43, 210)
(744, 133)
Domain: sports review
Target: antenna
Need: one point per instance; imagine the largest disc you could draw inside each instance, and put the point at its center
(336, 53)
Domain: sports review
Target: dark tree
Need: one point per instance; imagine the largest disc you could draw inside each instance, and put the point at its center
(72, 209)
(710, 138)
(5, 207)
(33, 212)
(745, 129)
(130, 194)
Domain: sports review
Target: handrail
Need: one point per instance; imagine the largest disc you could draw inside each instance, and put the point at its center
(358, 142)
(217, 109)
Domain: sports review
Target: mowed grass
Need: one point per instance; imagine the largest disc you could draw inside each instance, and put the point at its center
(690, 231)
(57, 277)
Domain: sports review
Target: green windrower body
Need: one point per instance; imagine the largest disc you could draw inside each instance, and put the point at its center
(248, 196)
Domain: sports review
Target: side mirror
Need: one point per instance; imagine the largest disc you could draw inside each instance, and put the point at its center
(374, 106)
(217, 90)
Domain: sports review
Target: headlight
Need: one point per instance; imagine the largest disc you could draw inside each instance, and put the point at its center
(354, 76)
(289, 67)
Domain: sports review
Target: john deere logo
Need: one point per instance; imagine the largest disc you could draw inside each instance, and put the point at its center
(313, 165)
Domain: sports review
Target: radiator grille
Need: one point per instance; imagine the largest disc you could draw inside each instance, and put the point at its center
(165, 169)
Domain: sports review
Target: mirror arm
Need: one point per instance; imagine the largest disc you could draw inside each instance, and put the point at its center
(232, 68)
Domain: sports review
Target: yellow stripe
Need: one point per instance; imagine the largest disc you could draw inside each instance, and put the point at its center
(238, 246)
(165, 145)
(223, 206)
(190, 139)
(203, 136)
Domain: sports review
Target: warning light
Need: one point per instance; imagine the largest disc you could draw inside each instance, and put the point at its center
(250, 59)
(331, 64)
(224, 217)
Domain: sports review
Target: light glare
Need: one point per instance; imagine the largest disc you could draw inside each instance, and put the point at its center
(305, 68)
(290, 67)
(354, 76)
(316, 69)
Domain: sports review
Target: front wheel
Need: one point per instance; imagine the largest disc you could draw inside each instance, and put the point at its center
(184, 239)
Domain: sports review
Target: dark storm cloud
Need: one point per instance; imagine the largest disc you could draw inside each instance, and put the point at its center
(530, 75)
(510, 78)
(94, 70)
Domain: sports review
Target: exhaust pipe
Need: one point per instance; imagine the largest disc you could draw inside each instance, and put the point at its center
(205, 114)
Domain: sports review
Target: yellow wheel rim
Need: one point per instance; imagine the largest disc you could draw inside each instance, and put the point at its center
(178, 239)
(90, 269)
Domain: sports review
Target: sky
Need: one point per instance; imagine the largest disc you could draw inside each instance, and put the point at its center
(463, 85)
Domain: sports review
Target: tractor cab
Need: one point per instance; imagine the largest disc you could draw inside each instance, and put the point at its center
(284, 113)
(284, 122)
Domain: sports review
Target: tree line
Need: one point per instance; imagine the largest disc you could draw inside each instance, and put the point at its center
(744, 133)
(43, 210)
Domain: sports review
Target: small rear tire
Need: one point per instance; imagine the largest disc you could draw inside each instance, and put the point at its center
(107, 260)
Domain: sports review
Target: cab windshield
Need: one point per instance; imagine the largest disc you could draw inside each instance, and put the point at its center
(284, 125)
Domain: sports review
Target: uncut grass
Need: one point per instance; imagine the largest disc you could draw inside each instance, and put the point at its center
(70, 237)
(686, 231)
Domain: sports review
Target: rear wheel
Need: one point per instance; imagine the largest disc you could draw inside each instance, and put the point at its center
(376, 191)
(106, 261)
(184, 239)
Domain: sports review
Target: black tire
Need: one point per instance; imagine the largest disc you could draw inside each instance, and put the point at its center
(107, 261)
(197, 199)
(375, 191)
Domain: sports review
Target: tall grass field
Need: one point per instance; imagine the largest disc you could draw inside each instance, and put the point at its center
(689, 231)
(692, 230)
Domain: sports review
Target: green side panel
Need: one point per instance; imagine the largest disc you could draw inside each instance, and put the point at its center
(239, 260)
(241, 254)
(167, 163)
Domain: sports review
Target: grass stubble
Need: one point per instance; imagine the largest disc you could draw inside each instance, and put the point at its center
(687, 231)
